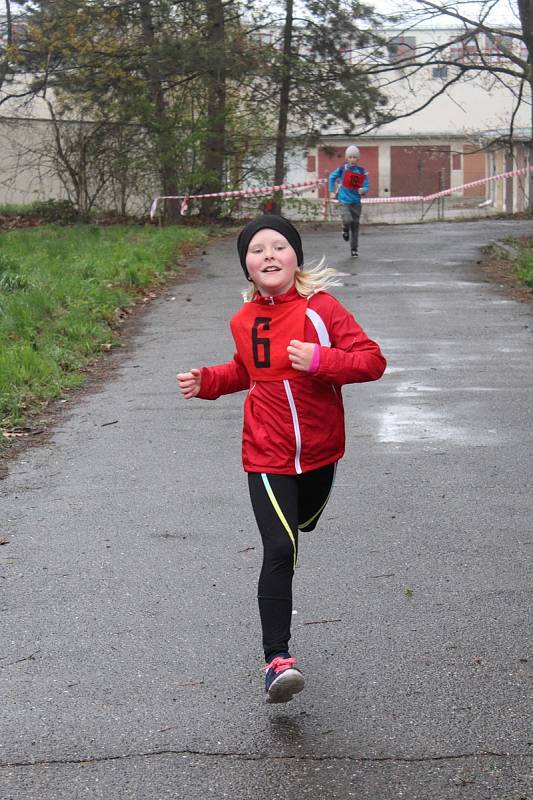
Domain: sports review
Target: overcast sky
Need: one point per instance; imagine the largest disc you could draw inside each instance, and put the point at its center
(504, 12)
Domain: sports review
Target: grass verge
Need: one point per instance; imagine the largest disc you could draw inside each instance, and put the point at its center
(510, 263)
(63, 291)
(524, 265)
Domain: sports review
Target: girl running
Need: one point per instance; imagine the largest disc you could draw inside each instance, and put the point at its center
(296, 345)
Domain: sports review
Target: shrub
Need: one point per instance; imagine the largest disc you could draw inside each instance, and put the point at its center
(62, 211)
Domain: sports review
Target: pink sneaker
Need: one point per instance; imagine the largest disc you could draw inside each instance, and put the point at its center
(282, 679)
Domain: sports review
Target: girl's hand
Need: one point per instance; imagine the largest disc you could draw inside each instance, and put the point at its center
(189, 383)
(301, 354)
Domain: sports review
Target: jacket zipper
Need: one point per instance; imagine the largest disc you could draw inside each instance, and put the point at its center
(296, 426)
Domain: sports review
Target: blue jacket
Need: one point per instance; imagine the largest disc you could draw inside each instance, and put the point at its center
(351, 179)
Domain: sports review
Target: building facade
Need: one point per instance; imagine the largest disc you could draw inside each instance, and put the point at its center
(456, 139)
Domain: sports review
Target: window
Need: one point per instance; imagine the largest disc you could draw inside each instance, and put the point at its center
(401, 47)
(470, 47)
(501, 46)
(465, 50)
(440, 72)
(456, 51)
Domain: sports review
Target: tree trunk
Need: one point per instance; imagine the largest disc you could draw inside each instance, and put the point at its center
(4, 66)
(162, 127)
(215, 149)
(284, 98)
(525, 10)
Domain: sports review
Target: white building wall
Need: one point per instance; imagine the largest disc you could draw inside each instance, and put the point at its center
(477, 102)
(24, 178)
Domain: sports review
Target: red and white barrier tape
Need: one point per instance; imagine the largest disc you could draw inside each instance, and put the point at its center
(313, 184)
(445, 192)
(237, 193)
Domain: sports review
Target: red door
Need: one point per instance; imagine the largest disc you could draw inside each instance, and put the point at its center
(419, 170)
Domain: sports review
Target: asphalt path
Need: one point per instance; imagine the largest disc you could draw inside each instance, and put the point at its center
(129, 634)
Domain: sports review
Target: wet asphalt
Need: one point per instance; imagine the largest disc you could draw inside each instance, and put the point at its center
(130, 648)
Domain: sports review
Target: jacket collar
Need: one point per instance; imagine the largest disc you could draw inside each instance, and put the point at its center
(276, 299)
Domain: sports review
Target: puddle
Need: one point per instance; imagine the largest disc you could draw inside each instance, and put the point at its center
(402, 423)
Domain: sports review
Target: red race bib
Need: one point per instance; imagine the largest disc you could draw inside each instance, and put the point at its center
(352, 180)
(262, 334)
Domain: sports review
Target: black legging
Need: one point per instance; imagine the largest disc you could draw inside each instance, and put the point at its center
(284, 504)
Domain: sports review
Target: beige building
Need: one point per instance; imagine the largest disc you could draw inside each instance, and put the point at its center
(24, 126)
(446, 144)
(25, 175)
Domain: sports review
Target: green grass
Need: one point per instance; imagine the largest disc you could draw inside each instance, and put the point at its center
(62, 290)
(516, 256)
(16, 209)
(524, 265)
(46, 210)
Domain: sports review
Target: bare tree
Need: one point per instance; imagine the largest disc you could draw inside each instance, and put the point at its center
(477, 47)
(284, 100)
(215, 79)
(310, 80)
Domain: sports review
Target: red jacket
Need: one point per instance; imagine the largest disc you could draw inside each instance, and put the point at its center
(297, 424)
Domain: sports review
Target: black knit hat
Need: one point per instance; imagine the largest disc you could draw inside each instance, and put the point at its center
(276, 223)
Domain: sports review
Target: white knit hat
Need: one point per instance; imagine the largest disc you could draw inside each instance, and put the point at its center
(352, 150)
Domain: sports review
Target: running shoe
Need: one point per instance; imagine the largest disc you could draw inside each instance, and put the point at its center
(345, 235)
(282, 679)
(354, 254)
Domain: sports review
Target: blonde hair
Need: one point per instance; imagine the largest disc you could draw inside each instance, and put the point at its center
(307, 281)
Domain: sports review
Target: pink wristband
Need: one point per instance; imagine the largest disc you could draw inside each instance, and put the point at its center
(315, 361)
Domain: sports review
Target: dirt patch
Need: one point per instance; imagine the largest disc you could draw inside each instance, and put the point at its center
(502, 271)
(9, 223)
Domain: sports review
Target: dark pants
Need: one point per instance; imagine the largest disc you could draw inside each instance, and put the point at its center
(351, 214)
(283, 505)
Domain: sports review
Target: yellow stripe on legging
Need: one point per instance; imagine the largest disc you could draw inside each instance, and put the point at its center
(303, 525)
(280, 514)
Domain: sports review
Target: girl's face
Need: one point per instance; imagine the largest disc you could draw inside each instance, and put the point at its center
(271, 262)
